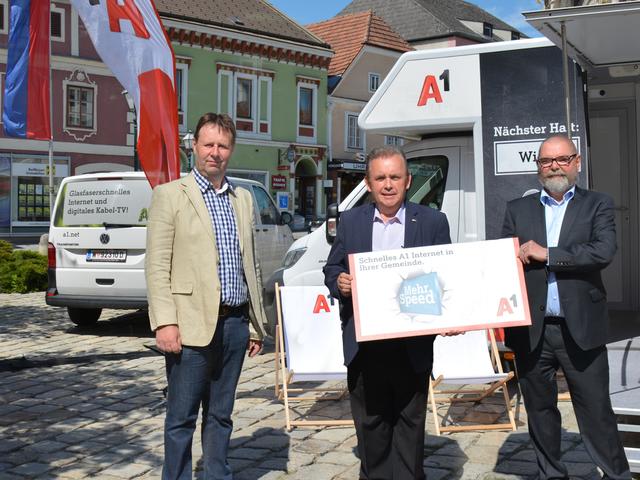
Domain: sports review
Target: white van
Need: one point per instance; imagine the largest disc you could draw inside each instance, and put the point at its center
(97, 242)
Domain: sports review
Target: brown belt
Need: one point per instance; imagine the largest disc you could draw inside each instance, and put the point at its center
(229, 310)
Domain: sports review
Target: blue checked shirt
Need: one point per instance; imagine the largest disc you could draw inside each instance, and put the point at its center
(230, 271)
(554, 215)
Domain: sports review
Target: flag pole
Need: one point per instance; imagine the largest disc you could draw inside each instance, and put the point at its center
(51, 168)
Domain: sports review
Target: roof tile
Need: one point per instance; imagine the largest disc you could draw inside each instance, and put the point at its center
(418, 20)
(255, 16)
(347, 35)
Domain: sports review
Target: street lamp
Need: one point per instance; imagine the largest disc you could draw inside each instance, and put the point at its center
(187, 143)
(132, 108)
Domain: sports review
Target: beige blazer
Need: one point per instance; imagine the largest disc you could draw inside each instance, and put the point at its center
(181, 263)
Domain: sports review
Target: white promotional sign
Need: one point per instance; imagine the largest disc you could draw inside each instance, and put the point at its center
(519, 156)
(118, 202)
(429, 290)
(312, 333)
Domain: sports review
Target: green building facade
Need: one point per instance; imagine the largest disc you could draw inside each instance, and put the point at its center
(272, 83)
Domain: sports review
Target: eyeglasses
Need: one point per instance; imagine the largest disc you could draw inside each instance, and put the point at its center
(562, 160)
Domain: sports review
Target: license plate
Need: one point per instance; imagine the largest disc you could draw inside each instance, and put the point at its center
(106, 255)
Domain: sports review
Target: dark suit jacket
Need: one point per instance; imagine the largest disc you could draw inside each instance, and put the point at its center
(424, 226)
(586, 245)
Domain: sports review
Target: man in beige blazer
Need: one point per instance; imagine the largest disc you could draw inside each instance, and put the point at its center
(204, 288)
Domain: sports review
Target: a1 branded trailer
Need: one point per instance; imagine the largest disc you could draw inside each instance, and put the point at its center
(506, 97)
(475, 117)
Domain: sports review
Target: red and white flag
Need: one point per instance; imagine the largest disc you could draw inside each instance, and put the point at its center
(130, 39)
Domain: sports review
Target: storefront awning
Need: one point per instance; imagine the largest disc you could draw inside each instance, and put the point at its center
(597, 35)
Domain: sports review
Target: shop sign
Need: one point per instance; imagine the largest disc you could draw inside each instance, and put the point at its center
(38, 170)
(354, 166)
(278, 182)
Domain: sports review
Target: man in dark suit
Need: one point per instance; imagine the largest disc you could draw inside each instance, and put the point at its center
(387, 379)
(567, 237)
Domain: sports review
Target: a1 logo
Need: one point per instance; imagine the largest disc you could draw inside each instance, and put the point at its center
(321, 305)
(431, 89)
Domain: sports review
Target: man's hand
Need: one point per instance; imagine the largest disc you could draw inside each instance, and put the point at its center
(452, 333)
(531, 251)
(254, 347)
(344, 284)
(168, 339)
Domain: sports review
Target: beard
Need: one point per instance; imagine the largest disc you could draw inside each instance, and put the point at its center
(557, 184)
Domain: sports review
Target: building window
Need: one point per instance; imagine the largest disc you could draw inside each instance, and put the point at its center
(244, 95)
(245, 104)
(57, 24)
(487, 30)
(393, 141)
(4, 16)
(307, 110)
(374, 82)
(80, 107)
(515, 35)
(28, 179)
(182, 74)
(355, 140)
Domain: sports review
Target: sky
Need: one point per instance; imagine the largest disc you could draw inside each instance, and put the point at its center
(305, 12)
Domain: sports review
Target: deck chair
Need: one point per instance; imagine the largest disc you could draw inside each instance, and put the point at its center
(468, 361)
(308, 349)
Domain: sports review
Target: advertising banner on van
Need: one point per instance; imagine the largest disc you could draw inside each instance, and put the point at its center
(522, 104)
(115, 203)
(428, 290)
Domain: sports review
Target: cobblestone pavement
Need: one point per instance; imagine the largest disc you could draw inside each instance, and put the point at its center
(78, 403)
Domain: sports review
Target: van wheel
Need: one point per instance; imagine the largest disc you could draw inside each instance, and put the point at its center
(84, 317)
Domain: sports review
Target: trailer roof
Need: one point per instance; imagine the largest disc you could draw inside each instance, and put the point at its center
(395, 109)
(597, 35)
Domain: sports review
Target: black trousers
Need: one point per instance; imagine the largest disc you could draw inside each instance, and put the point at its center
(587, 375)
(388, 404)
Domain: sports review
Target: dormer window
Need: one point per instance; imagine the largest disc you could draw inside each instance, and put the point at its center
(374, 82)
(487, 30)
(56, 25)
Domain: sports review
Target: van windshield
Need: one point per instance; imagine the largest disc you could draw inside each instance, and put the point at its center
(428, 181)
(110, 202)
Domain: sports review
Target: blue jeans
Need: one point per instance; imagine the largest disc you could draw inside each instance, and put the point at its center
(207, 375)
